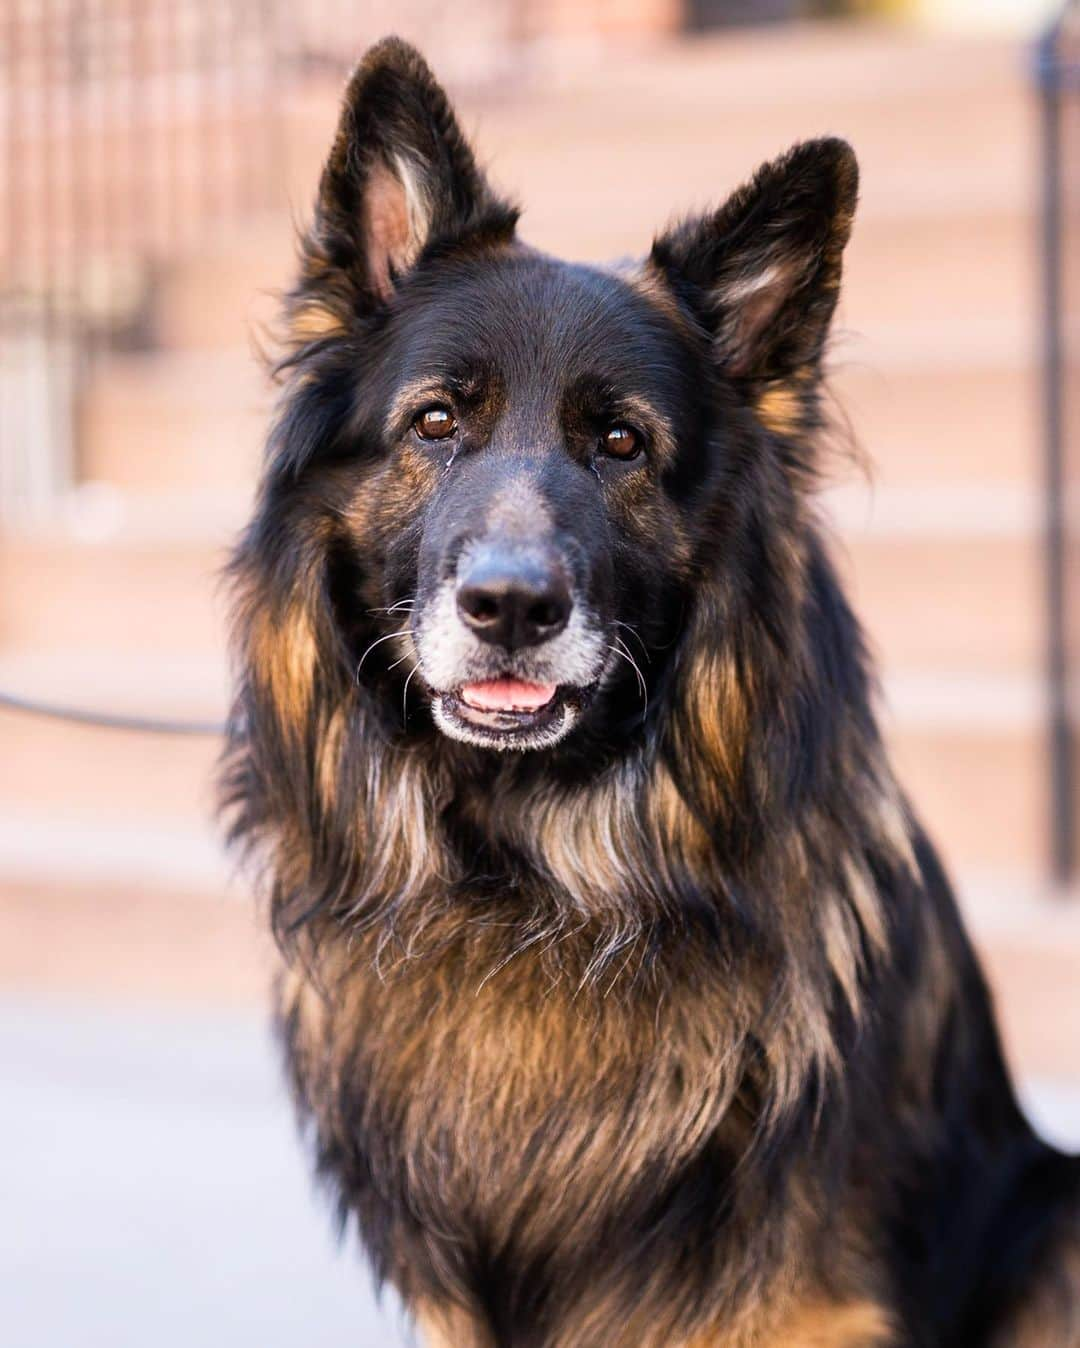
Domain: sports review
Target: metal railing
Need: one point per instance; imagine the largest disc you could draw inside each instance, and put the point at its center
(130, 130)
(1059, 84)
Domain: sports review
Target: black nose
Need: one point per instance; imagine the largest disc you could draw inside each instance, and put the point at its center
(513, 601)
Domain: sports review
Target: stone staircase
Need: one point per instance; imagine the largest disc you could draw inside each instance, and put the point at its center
(934, 365)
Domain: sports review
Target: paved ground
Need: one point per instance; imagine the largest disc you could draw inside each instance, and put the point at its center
(154, 1191)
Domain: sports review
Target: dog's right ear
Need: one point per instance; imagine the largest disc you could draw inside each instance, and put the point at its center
(400, 178)
(763, 272)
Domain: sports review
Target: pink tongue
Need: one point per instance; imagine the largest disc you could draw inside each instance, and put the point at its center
(507, 695)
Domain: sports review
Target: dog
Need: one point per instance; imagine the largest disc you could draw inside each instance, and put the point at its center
(624, 998)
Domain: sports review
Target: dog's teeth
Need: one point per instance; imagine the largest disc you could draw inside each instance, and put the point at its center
(507, 695)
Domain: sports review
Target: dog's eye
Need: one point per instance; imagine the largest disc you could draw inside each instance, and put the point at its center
(621, 442)
(435, 423)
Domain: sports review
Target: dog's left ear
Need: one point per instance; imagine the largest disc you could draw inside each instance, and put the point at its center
(763, 273)
(400, 177)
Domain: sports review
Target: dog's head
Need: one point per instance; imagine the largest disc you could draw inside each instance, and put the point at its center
(512, 467)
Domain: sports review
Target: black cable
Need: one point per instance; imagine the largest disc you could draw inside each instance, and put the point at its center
(104, 720)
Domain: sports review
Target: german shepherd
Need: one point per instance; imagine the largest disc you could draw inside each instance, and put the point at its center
(625, 999)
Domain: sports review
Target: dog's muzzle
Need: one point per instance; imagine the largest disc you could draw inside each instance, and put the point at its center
(510, 656)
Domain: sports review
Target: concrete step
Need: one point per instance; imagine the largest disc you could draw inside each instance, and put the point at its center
(185, 419)
(945, 578)
(930, 268)
(923, 420)
(150, 786)
(124, 942)
(191, 687)
(134, 804)
(764, 66)
(971, 751)
(51, 843)
(122, 572)
(931, 117)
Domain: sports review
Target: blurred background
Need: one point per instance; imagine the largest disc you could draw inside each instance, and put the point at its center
(157, 156)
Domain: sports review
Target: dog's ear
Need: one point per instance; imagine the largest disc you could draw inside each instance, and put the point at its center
(400, 176)
(763, 272)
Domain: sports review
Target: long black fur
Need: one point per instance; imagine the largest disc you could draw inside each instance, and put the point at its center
(667, 1033)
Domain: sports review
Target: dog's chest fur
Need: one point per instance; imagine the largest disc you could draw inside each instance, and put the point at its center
(492, 1118)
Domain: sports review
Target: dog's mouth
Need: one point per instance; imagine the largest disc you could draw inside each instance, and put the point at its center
(509, 712)
(515, 696)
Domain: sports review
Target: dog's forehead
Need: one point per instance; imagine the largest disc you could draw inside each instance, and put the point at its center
(536, 321)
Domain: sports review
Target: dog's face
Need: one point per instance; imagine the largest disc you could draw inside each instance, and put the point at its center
(536, 408)
(525, 457)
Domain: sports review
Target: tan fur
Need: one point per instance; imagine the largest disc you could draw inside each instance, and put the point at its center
(893, 823)
(467, 1043)
(719, 710)
(450, 1328)
(464, 1047)
(313, 321)
(284, 653)
(328, 766)
(853, 1325)
(782, 408)
(399, 489)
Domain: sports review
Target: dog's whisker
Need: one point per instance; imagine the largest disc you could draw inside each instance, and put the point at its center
(406, 605)
(629, 627)
(620, 649)
(405, 695)
(401, 661)
(378, 642)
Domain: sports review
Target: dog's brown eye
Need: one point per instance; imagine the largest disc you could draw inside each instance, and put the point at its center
(621, 442)
(435, 424)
